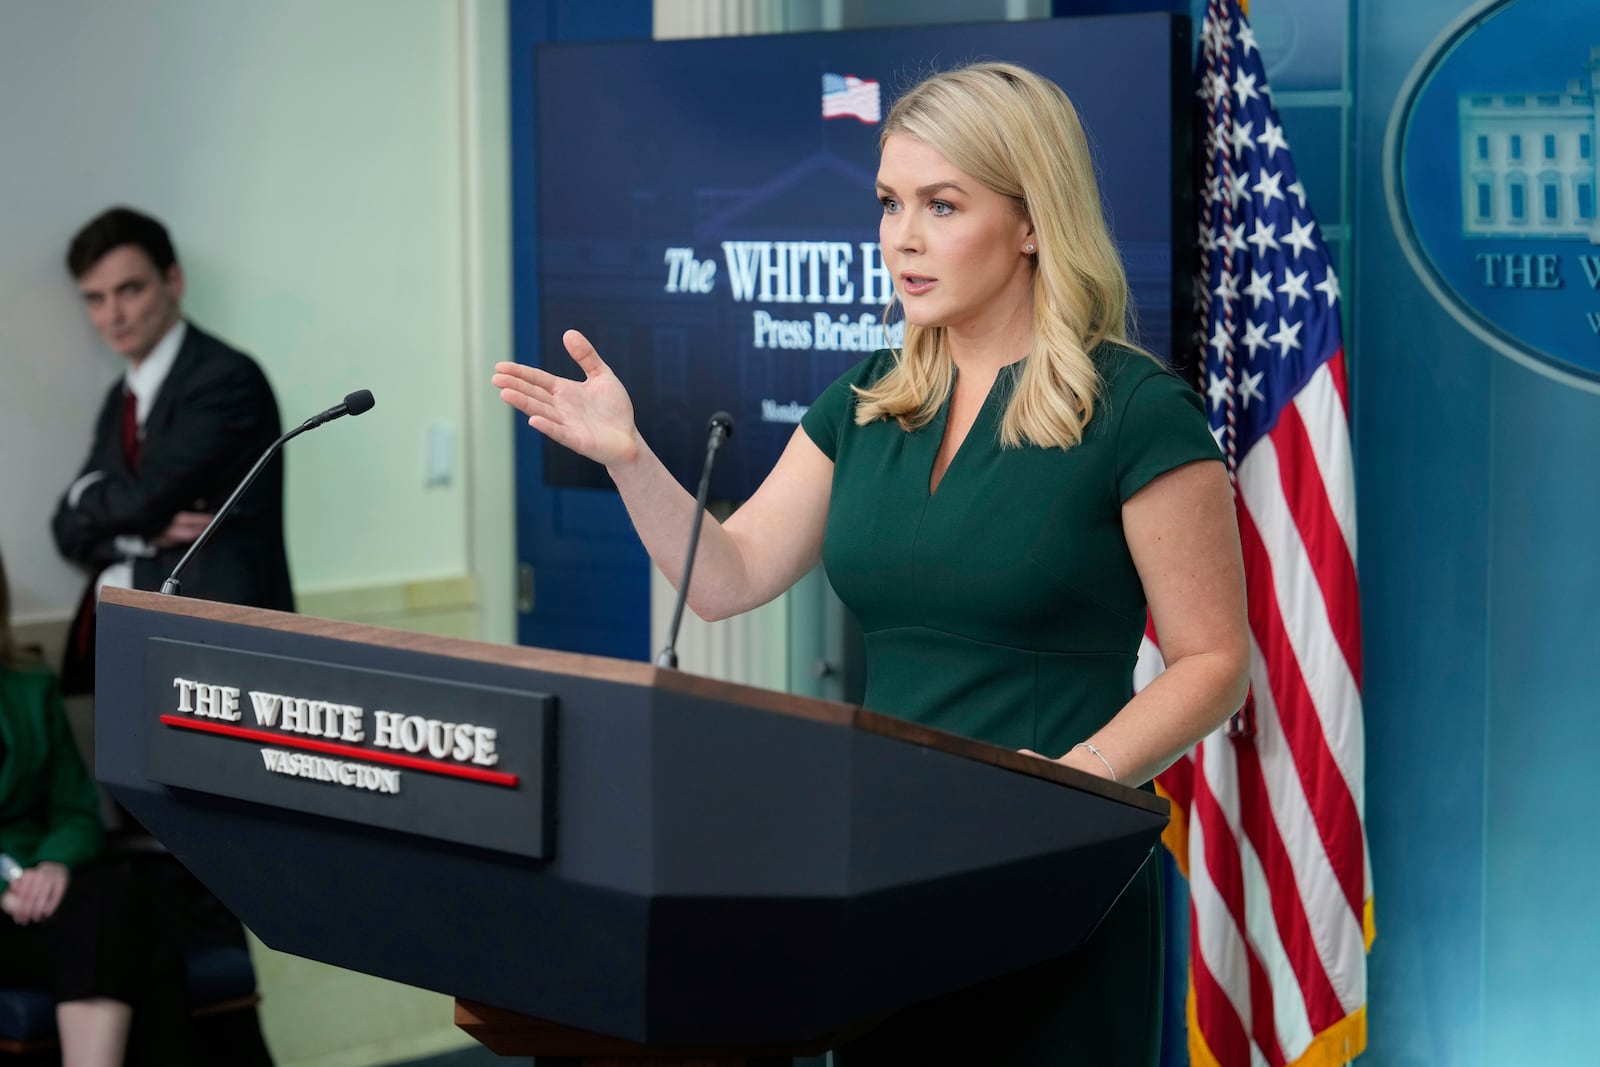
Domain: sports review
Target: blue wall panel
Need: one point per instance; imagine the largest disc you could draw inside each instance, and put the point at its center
(591, 583)
(1478, 510)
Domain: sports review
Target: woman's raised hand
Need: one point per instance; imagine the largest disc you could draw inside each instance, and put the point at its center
(593, 417)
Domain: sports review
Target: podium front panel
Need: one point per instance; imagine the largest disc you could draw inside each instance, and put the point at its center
(728, 865)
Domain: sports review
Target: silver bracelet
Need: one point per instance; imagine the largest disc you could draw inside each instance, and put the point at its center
(1101, 756)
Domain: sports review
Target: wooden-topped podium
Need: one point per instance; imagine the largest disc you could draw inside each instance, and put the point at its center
(641, 862)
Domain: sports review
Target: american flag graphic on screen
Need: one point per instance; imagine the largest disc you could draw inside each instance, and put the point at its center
(845, 96)
(1268, 811)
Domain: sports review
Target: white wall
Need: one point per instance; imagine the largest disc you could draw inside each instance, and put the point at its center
(340, 213)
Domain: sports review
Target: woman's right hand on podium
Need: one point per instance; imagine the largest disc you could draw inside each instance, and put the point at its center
(593, 417)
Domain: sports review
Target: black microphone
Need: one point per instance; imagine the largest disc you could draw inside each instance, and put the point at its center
(356, 403)
(721, 427)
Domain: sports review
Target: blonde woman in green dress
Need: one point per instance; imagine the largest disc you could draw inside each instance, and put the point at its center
(998, 502)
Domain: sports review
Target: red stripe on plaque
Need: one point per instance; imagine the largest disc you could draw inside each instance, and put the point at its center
(368, 755)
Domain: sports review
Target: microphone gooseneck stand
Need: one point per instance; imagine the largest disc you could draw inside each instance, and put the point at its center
(357, 403)
(721, 428)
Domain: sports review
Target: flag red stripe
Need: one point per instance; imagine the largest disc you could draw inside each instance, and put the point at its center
(1221, 1025)
(1320, 532)
(1288, 909)
(1224, 865)
(1341, 386)
(1327, 794)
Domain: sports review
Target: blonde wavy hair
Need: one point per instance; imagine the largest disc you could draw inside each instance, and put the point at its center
(1016, 133)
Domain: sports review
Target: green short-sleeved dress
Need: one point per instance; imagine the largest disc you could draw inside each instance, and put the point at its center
(1005, 606)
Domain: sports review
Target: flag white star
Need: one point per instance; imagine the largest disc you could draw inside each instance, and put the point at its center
(1228, 287)
(1207, 241)
(1287, 337)
(1255, 336)
(1250, 388)
(1272, 138)
(1216, 34)
(1220, 340)
(1216, 87)
(1244, 87)
(1220, 388)
(1329, 287)
(1267, 188)
(1259, 289)
(1247, 39)
(1301, 238)
(1217, 433)
(1238, 188)
(1213, 188)
(1241, 138)
(1299, 192)
(1263, 237)
(1233, 238)
(1294, 285)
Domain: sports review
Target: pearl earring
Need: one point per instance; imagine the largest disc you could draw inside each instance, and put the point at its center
(1028, 249)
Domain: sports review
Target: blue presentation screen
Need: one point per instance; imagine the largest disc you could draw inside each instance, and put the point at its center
(706, 212)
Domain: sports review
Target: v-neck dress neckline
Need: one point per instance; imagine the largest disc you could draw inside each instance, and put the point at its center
(986, 420)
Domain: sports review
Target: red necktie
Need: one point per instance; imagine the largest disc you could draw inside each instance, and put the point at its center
(130, 429)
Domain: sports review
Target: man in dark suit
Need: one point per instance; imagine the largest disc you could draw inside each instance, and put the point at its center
(177, 432)
(175, 435)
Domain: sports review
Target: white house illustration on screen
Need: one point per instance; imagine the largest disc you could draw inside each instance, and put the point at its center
(1528, 161)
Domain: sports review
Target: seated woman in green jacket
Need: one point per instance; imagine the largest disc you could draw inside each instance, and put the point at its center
(64, 925)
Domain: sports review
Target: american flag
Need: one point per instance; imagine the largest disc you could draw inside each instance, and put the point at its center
(1268, 811)
(845, 96)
